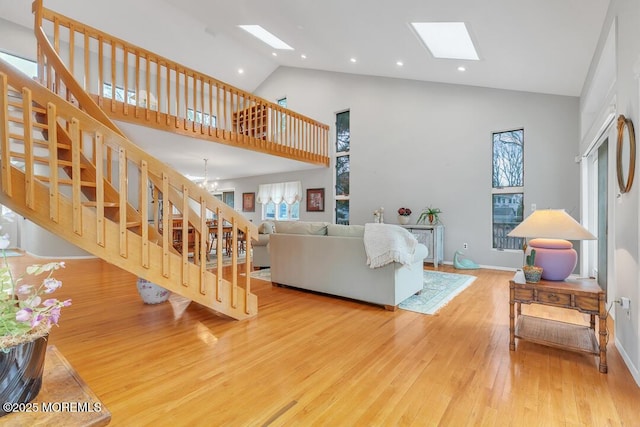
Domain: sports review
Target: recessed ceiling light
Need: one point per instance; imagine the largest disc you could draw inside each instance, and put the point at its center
(274, 54)
(449, 40)
(303, 56)
(240, 71)
(399, 63)
(354, 60)
(461, 68)
(264, 35)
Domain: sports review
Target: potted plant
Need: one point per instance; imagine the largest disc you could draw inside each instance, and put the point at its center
(532, 273)
(403, 215)
(27, 313)
(429, 214)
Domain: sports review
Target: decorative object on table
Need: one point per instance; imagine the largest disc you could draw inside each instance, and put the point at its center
(519, 277)
(27, 314)
(438, 290)
(248, 202)
(462, 263)
(532, 273)
(315, 199)
(551, 230)
(378, 216)
(429, 216)
(151, 293)
(403, 216)
(625, 154)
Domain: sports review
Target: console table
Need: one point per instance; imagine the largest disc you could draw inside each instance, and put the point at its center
(584, 295)
(432, 236)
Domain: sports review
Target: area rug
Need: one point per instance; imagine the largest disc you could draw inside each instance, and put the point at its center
(438, 289)
(12, 252)
(226, 260)
(263, 274)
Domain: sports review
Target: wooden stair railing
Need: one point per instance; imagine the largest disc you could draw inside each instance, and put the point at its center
(157, 92)
(81, 180)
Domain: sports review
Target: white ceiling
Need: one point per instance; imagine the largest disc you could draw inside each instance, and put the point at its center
(534, 46)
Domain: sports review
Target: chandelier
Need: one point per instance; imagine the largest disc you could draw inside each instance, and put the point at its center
(205, 182)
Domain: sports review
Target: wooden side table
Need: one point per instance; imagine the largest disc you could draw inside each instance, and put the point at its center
(584, 295)
(64, 399)
(432, 236)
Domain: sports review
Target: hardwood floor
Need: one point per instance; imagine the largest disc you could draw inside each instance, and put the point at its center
(309, 359)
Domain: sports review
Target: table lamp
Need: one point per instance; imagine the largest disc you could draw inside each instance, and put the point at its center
(551, 230)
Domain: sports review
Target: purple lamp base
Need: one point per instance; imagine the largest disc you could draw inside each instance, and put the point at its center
(557, 258)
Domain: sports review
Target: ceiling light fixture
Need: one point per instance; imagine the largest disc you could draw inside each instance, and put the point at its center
(461, 68)
(354, 60)
(303, 56)
(399, 63)
(240, 71)
(448, 40)
(274, 54)
(265, 36)
(205, 182)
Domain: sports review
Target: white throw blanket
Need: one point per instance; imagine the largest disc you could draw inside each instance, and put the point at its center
(386, 243)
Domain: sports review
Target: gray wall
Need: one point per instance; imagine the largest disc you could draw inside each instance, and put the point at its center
(624, 16)
(417, 144)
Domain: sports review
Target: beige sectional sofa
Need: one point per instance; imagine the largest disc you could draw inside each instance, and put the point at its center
(331, 259)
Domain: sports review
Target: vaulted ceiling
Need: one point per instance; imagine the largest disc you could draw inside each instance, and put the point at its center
(534, 46)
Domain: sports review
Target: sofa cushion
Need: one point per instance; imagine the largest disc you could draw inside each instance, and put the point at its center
(302, 227)
(345, 230)
(260, 240)
(267, 227)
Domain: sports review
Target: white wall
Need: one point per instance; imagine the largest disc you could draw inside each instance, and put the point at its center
(623, 17)
(39, 242)
(416, 144)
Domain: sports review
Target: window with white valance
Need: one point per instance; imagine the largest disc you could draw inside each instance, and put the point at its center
(280, 201)
(287, 192)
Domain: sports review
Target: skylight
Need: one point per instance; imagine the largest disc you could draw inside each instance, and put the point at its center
(265, 36)
(449, 40)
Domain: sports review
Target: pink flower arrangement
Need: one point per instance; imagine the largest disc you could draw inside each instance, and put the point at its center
(404, 211)
(26, 312)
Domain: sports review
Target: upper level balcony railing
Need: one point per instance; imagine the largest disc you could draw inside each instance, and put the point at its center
(138, 86)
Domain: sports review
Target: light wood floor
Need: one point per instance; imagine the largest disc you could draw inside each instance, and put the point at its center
(309, 359)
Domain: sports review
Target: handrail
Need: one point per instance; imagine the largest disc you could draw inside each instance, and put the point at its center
(113, 219)
(165, 94)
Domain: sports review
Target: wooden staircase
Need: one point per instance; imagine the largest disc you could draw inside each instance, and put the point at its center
(67, 168)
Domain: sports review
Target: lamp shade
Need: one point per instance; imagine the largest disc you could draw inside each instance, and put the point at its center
(551, 224)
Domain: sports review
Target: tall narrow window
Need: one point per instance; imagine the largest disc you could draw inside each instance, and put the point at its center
(507, 187)
(343, 166)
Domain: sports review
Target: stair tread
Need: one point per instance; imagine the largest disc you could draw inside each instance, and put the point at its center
(62, 181)
(34, 123)
(45, 160)
(36, 141)
(106, 204)
(33, 108)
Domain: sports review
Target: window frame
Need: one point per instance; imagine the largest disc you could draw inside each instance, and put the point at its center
(497, 190)
(340, 199)
(277, 206)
